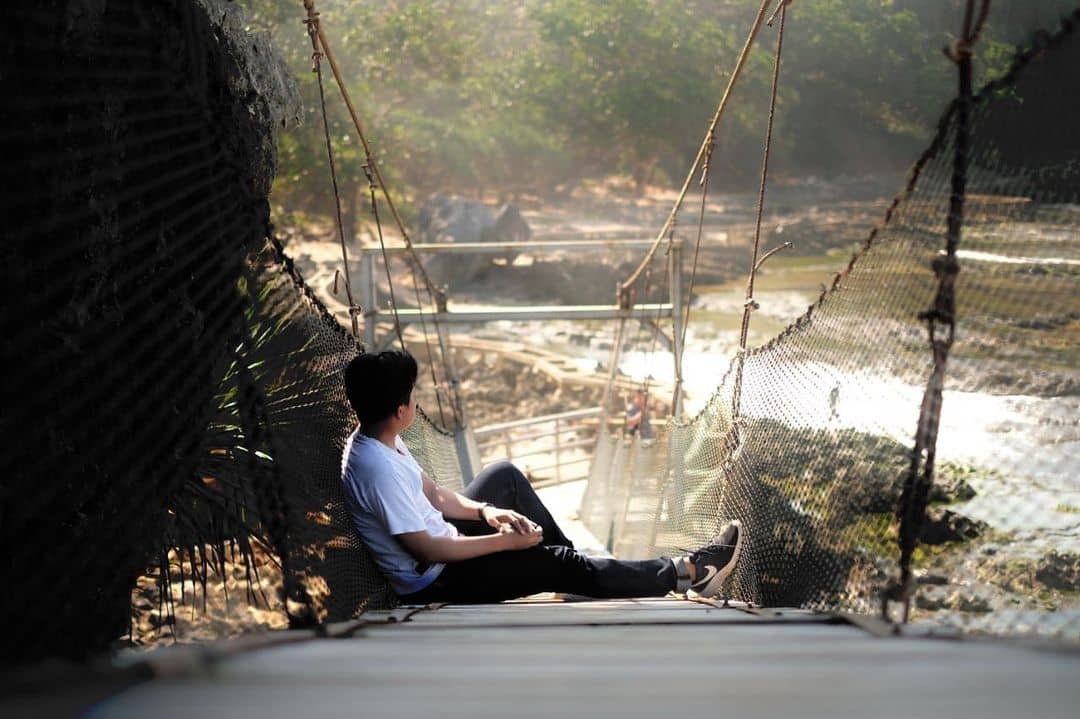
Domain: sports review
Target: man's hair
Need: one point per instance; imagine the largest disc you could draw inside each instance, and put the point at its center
(377, 384)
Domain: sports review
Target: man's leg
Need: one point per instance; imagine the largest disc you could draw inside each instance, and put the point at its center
(503, 485)
(508, 575)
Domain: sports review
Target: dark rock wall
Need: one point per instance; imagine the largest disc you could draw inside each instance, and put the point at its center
(138, 146)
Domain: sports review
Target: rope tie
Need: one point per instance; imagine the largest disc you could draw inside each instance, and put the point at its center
(312, 23)
(706, 164)
(958, 51)
(339, 279)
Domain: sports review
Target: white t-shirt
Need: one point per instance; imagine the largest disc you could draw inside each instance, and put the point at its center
(385, 492)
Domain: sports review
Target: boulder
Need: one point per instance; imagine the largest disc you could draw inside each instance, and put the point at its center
(943, 526)
(930, 578)
(451, 219)
(950, 490)
(967, 601)
(1059, 571)
(932, 599)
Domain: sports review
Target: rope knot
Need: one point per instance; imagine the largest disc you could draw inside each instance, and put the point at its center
(945, 265)
(312, 23)
(960, 50)
(370, 176)
(707, 163)
(932, 315)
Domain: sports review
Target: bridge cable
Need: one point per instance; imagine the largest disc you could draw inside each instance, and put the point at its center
(427, 346)
(750, 304)
(321, 48)
(316, 67)
(917, 484)
(759, 20)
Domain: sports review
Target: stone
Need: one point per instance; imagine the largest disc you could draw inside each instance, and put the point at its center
(943, 526)
(951, 490)
(931, 600)
(1059, 571)
(963, 602)
(930, 578)
(450, 219)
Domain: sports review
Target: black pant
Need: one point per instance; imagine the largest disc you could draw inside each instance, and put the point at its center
(553, 566)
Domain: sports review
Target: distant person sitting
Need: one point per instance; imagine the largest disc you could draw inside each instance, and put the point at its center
(637, 415)
(496, 541)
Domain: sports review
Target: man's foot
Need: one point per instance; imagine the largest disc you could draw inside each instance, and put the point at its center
(714, 562)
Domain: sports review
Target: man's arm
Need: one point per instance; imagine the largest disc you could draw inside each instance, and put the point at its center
(456, 506)
(427, 548)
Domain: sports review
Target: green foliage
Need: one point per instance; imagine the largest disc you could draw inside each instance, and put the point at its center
(630, 82)
(474, 96)
(215, 517)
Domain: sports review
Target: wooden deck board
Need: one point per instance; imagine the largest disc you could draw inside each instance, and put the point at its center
(619, 659)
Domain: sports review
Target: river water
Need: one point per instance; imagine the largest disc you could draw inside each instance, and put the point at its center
(1023, 452)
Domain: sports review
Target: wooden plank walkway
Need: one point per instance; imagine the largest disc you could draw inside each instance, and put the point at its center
(635, 658)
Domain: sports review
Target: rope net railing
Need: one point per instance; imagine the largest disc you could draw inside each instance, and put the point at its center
(290, 421)
(174, 413)
(813, 450)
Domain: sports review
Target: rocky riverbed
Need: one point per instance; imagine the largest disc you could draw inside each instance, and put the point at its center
(1007, 537)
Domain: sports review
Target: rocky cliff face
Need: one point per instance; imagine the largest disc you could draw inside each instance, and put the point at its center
(142, 146)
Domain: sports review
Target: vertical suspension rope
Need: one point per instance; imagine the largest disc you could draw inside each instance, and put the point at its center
(704, 183)
(706, 169)
(642, 297)
(385, 257)
(623, 288)
(613, 366)
(750, 304)
(666, 287)
(759, 20)
(375, 179)
(312, 23)
(920, 477)
(427, 345)
(368, 154)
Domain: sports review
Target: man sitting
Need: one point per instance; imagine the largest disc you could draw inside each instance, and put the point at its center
(495, 542)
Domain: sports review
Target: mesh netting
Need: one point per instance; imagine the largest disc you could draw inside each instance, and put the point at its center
(173, 399)
(173, 395)
(144, 182)
(808, 438)
(297, 352)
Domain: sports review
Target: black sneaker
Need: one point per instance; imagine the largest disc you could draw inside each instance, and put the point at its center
(714, 562)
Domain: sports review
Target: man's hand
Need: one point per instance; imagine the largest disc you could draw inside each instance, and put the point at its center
(507, 520)
(521, 540)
